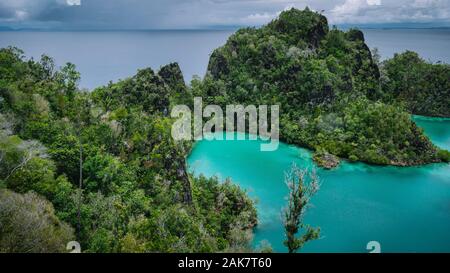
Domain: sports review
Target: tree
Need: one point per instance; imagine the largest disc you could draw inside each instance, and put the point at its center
(70, 78)
(302, 187)
(319, 75)
(423, 87)
(376, 56)
(28, 225)
(108, 164)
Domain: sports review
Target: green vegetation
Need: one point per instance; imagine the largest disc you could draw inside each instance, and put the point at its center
(102, 168)
(302, 186)
(28, 225)
(422, 86)
(332, 96)
(133, 193)
(326, 160)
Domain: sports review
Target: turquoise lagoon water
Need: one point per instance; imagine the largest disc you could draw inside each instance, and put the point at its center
(438, 129)
(404, 209)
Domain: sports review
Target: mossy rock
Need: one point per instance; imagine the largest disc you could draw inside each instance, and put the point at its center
(171, 75)
(326, 160)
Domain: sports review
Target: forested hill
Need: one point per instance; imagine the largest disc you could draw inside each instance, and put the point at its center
(334, 97)
(103, 169)
(423, 87)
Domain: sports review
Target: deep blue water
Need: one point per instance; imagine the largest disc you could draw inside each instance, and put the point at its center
(104, 56)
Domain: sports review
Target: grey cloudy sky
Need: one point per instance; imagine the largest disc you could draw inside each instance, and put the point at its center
(180, 14)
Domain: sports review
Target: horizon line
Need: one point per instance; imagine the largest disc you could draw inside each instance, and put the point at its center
(399, 25)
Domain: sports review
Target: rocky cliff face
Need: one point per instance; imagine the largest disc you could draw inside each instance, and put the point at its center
(278, 57)
(298, 27)
(171, 75)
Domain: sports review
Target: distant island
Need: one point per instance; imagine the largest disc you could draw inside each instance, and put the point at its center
(406, 25)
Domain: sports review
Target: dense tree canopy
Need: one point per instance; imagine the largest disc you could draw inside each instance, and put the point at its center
(28, 225)
(332, 96)
(102, 166)
(135, 195)
(423, 87)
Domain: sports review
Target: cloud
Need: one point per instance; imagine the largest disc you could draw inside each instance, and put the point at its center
(257, 18)
(378, 11)
(73, 2)
(261, 18)
(144, 14)
(353, 8)
(22, 10)
(374, 2)
(21, 15)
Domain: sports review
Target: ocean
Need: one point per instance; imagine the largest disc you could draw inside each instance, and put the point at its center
(103, 56)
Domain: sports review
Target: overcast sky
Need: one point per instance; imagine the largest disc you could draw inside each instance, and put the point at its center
(181, 14)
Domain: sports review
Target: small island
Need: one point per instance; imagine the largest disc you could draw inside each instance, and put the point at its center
(335, 96)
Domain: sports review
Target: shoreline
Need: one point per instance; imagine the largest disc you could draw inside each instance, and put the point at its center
(311, 152)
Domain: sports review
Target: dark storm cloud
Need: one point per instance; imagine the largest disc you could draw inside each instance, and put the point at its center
(206, 13)
(113, 13)
(6, 14)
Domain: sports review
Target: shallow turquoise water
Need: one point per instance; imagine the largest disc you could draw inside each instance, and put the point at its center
(438, 129)
(405, 209)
